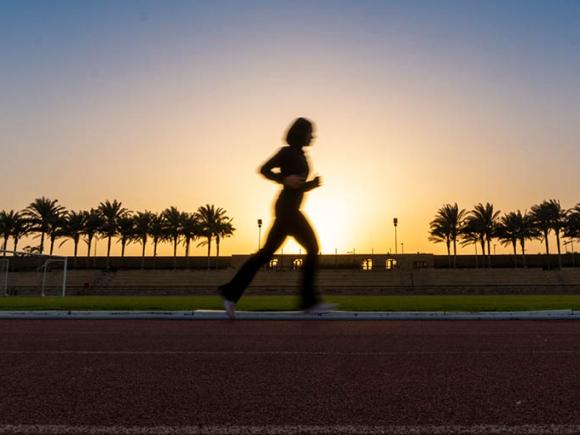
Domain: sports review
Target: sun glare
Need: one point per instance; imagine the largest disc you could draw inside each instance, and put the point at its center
(331, 219)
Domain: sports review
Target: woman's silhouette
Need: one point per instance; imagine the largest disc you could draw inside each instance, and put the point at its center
(292, 174)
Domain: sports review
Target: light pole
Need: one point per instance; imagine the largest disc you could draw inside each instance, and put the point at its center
(395, 222)
(259, 233)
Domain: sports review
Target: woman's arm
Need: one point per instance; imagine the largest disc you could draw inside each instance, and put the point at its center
(291, 181)
(274, 162)
(312, 184)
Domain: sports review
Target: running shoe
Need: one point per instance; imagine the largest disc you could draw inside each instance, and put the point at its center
(229, 306)
(320, 308)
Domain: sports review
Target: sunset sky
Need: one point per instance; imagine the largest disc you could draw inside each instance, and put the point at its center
(177, 103)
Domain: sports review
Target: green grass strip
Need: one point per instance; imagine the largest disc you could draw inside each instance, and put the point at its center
(276, 303)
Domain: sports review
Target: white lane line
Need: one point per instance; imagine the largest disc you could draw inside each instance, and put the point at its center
(290, 429)
(283, 353)
(562, 314)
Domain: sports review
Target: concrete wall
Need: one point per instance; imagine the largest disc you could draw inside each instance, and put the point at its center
(329, 281)
(288, 261)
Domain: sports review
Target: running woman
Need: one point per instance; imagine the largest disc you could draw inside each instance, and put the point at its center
(292, 173)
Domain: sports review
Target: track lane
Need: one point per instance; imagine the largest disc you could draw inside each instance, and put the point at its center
(266, 374)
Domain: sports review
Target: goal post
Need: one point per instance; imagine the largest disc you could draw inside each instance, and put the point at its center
(32, 273)
(45, 266)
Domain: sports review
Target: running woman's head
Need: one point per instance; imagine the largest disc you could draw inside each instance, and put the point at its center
(300, 133)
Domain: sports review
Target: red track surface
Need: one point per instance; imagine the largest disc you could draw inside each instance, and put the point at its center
(184, 373)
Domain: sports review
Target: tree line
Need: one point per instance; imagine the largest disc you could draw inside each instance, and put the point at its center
(48, 220)
(483, 224)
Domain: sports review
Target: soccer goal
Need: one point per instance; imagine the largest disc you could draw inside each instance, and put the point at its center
(26, 273)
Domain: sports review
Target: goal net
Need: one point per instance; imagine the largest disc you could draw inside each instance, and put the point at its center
(32, 274)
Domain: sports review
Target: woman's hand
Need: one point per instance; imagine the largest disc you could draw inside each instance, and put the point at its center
(293, 181)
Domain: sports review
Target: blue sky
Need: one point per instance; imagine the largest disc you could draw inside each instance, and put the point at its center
(144, 101)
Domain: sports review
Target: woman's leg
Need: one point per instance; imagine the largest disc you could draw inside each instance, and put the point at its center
(233, 290)
(304, 234)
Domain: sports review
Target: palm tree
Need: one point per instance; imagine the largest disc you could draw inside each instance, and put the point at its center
(572, 230)
(209, 217)
(549, 215)
(111, 212)
(542, 216)
(469, 236)
(191, 230)
(173, 226)
(43, 214)
(157, 231)
(20, 227)
(74, 227)
(560, 216)
(56, 230)
(224, 229)
(126, 231)
(508, 231)
(142, 222)
(476, 231)
(7, 221)
(445, 228)
(483, 220)
(528, 231)
(439, 233)
(93, 223)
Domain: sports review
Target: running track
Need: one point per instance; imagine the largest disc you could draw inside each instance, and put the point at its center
(212, 377)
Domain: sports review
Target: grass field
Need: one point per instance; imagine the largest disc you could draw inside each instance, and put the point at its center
(275, 303)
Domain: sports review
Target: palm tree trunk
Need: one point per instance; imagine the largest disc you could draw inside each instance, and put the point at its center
(5, 245)
(523, 246)
(76, 246)
(515, 253)
(187, 242)
(208, 250)
(155, 241)
(547, 249)
(108, 252)
(89, 241)
(217, 251)
(488, 253)
(143, 242)
(15, 244)
(482, 241)
(454, 253)
(174, 253)
(51, 245)
(42, 242)
(448, 243)
(123, 242)
(558, 246)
